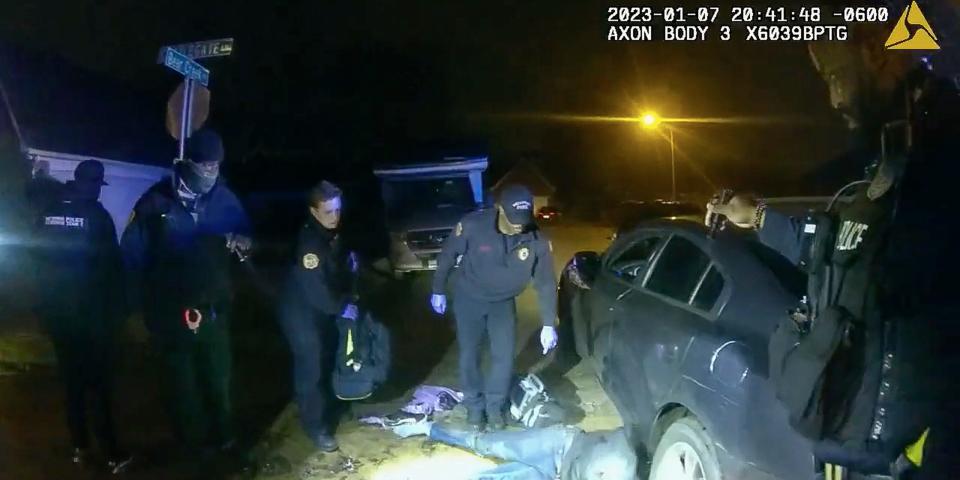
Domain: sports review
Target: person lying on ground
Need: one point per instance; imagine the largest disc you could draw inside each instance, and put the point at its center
(559, 451)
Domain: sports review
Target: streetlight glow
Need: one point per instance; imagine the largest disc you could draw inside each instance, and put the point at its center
(650, 119)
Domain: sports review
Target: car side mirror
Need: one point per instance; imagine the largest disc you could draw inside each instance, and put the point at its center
(583, 269)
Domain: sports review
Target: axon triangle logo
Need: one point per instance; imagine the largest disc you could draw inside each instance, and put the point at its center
(912, 31)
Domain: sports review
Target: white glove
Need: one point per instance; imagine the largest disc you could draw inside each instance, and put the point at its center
(548, 338)
(439, 303)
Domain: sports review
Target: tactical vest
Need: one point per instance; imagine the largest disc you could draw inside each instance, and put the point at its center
(841, 377)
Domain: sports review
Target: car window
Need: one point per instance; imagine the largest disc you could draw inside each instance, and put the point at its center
(708, 293)
(632, 262)
(678, 270)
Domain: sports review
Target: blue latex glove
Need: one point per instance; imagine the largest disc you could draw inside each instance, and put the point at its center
(439, 303)
(350, 312)
(548, 339)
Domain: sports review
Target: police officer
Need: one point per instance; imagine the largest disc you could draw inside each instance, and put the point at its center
(497, 251)
(178, 247)
(320, 289)
(885, 266)
(81, 304)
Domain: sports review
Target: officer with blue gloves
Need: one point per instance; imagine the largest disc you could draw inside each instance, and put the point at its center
(497, 252)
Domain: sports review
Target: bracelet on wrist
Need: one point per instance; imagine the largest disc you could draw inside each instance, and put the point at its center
(759, 215)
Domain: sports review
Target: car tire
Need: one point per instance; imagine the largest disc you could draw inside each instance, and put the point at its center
(685, 451)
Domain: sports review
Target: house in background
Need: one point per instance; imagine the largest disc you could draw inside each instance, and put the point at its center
(527, 174)
(60, 115)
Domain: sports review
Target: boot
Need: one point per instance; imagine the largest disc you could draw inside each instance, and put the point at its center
(326, 443)
(475, 421)
(495, 422)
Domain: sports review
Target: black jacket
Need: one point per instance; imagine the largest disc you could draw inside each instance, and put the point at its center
(321, 278)
(79, 268)
(178, 262)
(495, 267)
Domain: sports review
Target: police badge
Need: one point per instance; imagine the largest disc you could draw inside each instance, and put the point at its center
(523, 253)
(311, 261)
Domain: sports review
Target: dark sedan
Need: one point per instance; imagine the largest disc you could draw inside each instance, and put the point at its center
(676, 325)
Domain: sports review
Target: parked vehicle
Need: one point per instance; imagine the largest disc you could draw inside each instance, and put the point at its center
(676, 326)
(548, 214)
(423, 204)
(631, 213)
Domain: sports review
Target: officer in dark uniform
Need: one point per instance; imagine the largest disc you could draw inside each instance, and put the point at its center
(178, 247)
(887, 264)
(320, 289)
(81, 304)
(497, 252)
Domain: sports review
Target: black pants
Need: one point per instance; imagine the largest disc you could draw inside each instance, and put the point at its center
(198, 383)
(86, 363)
(313, 345)
(497, 321)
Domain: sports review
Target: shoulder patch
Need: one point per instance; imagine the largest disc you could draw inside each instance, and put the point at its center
(459, 230)
(311, 261)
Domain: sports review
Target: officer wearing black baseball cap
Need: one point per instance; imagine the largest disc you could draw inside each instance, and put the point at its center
(499, 250)
(179, 244)
(82, 306)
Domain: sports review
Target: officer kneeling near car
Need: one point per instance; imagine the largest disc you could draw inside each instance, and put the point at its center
(497, 252)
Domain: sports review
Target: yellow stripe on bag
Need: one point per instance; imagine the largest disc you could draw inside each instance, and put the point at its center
(833, 472)
(349, 341)
(914, 452)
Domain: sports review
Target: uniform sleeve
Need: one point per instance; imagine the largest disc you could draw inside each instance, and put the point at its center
(545, 282)
(236, 215)
(315, 273)
(782, 233)
(453, 247)
(134, 244)
(111, 262)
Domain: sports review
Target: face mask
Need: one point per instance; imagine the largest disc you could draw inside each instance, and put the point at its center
(199, 179)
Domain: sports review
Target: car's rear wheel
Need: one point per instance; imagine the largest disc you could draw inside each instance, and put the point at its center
(685, 452)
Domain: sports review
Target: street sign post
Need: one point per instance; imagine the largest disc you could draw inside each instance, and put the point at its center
(206, 49)
(182, 59)
(185, 66)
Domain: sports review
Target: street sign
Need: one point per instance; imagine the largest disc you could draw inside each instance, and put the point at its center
(183, 65)
(208, 48)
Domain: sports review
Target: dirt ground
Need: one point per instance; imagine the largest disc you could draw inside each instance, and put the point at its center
(371, 453)
(33, 437)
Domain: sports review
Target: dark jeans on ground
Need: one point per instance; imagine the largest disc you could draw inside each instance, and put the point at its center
(313, 341)
(86, 363)
(496, 320)
(198, 384)
(533, 454)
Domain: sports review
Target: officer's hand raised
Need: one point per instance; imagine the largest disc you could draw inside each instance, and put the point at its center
(740, 211)
(438, 303)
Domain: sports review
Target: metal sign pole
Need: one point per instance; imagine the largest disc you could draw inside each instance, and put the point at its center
(186, 114)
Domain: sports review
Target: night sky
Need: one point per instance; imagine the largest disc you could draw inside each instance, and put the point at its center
(330, 88)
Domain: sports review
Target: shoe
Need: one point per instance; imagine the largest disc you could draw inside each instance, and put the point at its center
(475, 420)
(118, 464)
(495, 422)
(79, 456)
(326, 443)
